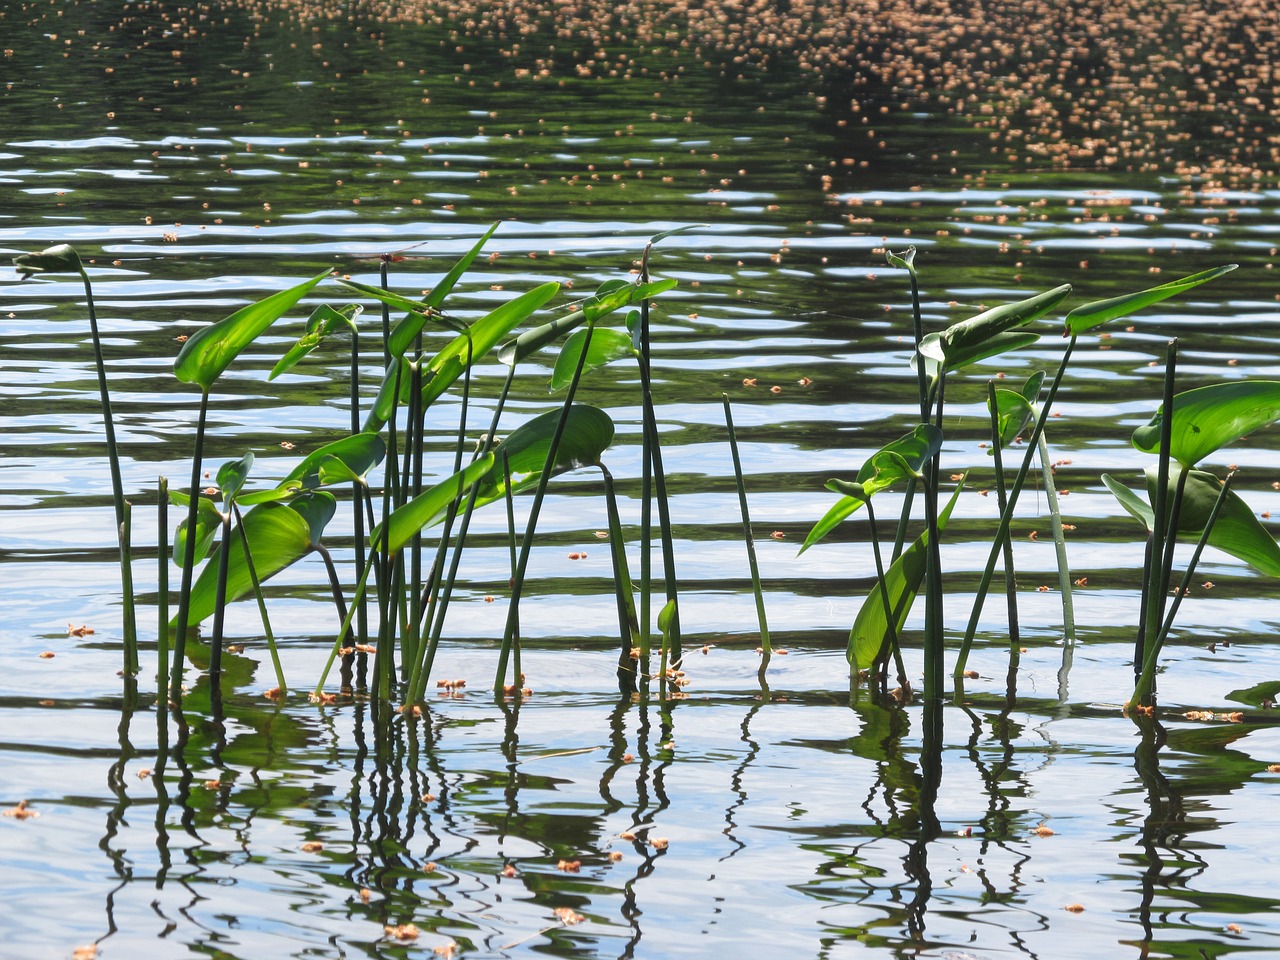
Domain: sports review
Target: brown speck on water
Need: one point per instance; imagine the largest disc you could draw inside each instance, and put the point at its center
(21, 812)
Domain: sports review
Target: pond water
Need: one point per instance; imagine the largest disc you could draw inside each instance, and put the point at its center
(199, 167)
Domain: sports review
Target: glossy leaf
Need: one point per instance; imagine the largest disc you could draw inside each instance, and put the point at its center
(587, 434)
(278, 536)
(208, 520)
(938, 354)
(407, 330)
(233, 474)
(1237, 530)
(419, 312)
(429, 505)
(447, 365)
(350, 458)
(393, 377)
(60, 258)
(1091, 315)
(612, 295)
(323, 321)
(878, 473)
(209, 351)
(901, 584)
(607, 344)
(1013, 415)
(1207, 418)
(963, 338)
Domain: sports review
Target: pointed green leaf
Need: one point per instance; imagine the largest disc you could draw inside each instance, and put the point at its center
(208, 520)
(1207, 418)
(322, 322)
(407, 330)
(915, 449)
(450, 363)
(278, 536)
(429, 505)
(1133, 504)
(587, 434)
(1013, 415)
(209, 351)
(233, 474)
(961, 339)
(60, 258)
(350, 458)
(317, 509)
(675, 231)
(901, 584)
(1030, 388)
(607, 344)
(1091, 315)
(1237, 530)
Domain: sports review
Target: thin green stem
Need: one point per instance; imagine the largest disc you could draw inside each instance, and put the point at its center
(189, 557)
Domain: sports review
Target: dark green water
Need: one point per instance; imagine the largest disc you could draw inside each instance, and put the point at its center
(199, 170)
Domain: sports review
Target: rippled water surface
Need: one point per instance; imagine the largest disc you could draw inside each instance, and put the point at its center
(196, 176)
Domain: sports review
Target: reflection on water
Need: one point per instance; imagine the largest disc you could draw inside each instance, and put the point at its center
(795, 815)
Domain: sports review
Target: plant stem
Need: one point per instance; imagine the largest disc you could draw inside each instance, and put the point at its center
(162, 584)
(747, 537)
(189, 557)
(1059, 542)
(1156, 579)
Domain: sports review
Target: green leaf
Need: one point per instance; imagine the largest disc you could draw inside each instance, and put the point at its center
(1256, 695)
(208, 520)
(447, 365)
(317, 509)
(419, 312)
(1207, 418)
(938, 354)
(429, 505)
(901, 584)
(903, 261)
(1091, 315)
(587, 434)
(209, 351)
(1013, 414)
(233, 474)
(1030, 388)
(607, 345)
(962, 339)
(407, 330)
(611, 295)
(322, 322)
(350, 458)
(1237, 530)
(60, 258)
(1133, 504)
(278, 536)
(878, 473)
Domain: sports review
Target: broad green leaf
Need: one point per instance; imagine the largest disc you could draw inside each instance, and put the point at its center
(1091, 315)
(963, 338)
(1013, 414)
(1133, 504)
(1237, 530)
(607, 344)
(208, 520)
(350, 458)
(322, 322)
(1258, 694)
(393, 378)
(915, 449)
(587, 434)
(450, 363)
(429, 505)
(60, 258)
(1207, 418)
(531, 341)
(1030, 388)
(901, 583)
(209, 351)
(278, 536)
(317, 509)
(233, 474)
